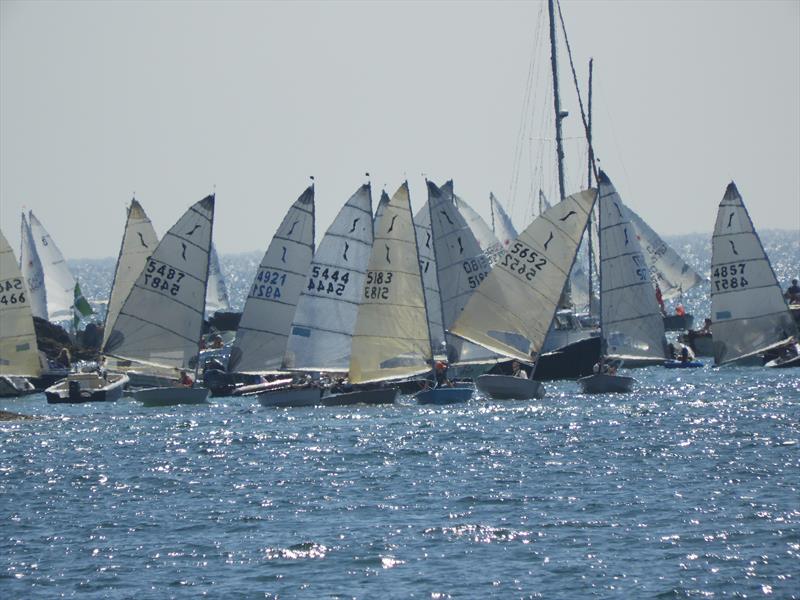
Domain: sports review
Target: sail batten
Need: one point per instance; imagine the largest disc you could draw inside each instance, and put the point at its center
(748, 311)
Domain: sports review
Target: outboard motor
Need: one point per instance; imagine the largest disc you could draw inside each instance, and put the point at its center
(74, 390)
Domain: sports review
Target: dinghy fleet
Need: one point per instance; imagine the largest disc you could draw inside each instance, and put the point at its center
(432, 304)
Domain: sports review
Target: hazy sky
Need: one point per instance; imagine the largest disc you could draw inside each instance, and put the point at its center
(169, 99)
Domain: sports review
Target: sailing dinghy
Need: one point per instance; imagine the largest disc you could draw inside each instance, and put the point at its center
(511, 312)
(161, 320)
(58, 279)
(19, 356)
(749, 313)
(631, 325)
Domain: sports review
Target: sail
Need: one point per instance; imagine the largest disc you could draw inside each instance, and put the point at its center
(486, 239)
(511, 311)
(391, 334)
(460, 268)
(430, 282)
(270, 306)
(139, 241)
(544, 203)
(161, 320)
(217, 293)
(630, 317)
(19, 354)
(503, 227)
(672, 274)
(380, 208)
(32, 271)
(748, 311)
(322, 331)
(58, 280)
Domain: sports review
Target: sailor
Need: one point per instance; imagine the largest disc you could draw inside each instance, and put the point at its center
(660, 300)
(600, 366)
(517, 370)
(186, 380)
(793, 293)
(440, 371)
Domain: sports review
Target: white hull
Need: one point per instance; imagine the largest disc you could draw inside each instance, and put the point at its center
(291, 397)
(602, 383)
(508, 387)
(87, 387)
(15, 385)
(170, 396)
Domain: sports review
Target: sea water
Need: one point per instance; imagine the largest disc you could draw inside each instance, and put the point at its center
(690, 486)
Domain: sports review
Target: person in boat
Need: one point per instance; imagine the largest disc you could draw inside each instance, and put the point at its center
(660, 300)
(517, 370)
(679, 310)
(685, 358)
(216, 342)
(101, 368)
(600, 366)
(440, 371)
(64, 360)
(792, 294)
(706, 326)
(186, 379)
(671, 353)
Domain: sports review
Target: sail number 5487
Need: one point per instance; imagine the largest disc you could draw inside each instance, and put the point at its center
(162, 277)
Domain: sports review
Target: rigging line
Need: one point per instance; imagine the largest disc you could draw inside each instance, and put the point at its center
(575, 79)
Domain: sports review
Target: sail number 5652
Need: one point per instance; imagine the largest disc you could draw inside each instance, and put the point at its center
(523, 260)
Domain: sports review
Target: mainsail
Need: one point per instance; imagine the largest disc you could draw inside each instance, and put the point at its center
(749, 313)
(161, 320)
(503, 227)
(430, 282)
(391, 338)
(31, 266)
(18, 351)
(511, 311)
(460, 268)
(630, 317)
(58, 279)
(139, 241)
(673, 274)
(486, 239)
(217, 293)
(270, 306)
(322, 331)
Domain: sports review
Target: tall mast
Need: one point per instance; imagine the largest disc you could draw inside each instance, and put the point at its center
(589, 179)
(556, 99)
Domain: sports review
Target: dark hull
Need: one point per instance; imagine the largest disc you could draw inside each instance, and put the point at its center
(367, 396)
(444, 395)
(570, 362)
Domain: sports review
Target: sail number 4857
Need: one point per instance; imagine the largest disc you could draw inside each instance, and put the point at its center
(523, 260)
(162, 277)
(729, 277)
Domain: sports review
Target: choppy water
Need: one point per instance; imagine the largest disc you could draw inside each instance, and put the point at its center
(688, 487)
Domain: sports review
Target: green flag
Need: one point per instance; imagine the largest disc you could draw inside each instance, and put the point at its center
(81, 306)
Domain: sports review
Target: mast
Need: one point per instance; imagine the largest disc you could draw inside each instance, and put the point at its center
(589, 179)
(556, 99)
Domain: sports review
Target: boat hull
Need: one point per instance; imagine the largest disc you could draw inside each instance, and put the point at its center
(13, 386)
(508, 387)
(171, 396)
(444, 395)
(87, 387)
(603, 383)
(373, 396)
(291, 397)
(677, 364)
(779, 363)
(570, 362)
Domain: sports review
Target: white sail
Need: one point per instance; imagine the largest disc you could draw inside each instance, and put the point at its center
(630, 317)
(19, 354)
(322, 331)
(139, 241)
(391, 337)
(430, 282)
(270, 306)
(511, 311)
(460, 268)
(748, 311)
(162, 318)
(504, 229)
(486, 239)
(544, 203)
(673, 274)
(379, 209)
(31, 267)
(58, 279)
(217, 293)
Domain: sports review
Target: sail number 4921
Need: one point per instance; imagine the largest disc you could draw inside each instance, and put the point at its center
(729, 277)
(523, 260)
(162, 277)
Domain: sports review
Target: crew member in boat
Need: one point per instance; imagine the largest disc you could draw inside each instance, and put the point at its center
(186, 379)
(793, 293)
(660, 300)
(706, 326)
(64, 360)
(600, 366)
(517, 370)
(440, 372)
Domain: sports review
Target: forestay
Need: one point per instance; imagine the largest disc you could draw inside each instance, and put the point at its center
(510, 313)
(673, 274)
(58, 280)
(139, 241)
(18, 351)
(270, 306)
(32, 271)
(217, 293)
(427, 264)
(391, 338)
(749, 313)
(460, 268)
(630, 317)
(162, 318)
(322, 331)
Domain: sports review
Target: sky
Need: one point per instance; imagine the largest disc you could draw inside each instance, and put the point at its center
(175, 100)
